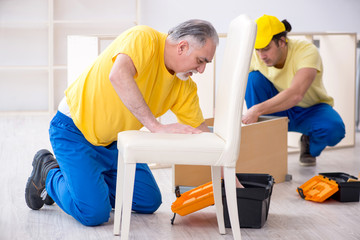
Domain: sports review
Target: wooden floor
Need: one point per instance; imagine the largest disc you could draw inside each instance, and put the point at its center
(290, 217)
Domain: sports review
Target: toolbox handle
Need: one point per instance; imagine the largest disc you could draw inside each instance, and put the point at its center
(177, 191)
(178, 194)
(173, 219)
(301, 192)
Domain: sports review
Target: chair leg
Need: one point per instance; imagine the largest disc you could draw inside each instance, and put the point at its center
(119, 195)
(231, 200)
(128, 190)
(216, 181)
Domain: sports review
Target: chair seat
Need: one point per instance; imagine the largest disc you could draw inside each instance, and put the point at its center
(146, 147)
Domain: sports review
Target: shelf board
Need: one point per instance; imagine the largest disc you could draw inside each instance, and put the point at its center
(60, 67)
(45, 24)
(23, 24)
(32, 113)
(101, 22)
(24, 67)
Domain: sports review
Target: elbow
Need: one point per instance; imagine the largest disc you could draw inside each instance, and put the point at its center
(115, 79)
(112, 77)
(297, 98)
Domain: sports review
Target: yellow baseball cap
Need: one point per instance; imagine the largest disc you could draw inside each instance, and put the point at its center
(267, 27)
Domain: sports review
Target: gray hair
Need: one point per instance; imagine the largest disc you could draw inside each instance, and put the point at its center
(196, 31)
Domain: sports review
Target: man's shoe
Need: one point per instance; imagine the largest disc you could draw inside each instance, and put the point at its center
(48, 200)
(35, 192)
(306, 159)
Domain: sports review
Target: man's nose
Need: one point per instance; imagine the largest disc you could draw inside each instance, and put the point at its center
(261, 54)
(201, 68)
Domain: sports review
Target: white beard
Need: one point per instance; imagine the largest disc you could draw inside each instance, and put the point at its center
(185, 75)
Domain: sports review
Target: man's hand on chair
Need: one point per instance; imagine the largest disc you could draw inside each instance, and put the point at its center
(176, 128)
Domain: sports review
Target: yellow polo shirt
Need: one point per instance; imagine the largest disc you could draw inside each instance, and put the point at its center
(301, 54)
(97, 110)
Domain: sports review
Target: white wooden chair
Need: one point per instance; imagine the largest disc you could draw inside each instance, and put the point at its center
(217, 149)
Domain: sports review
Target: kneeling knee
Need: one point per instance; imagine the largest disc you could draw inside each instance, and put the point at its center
(255, 78)
(94, 217)
(149, 205)
(155, 204)
(337, 136)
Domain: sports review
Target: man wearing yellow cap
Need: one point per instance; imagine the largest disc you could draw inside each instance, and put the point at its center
(285, 79)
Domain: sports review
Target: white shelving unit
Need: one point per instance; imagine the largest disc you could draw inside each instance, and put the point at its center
(33, 46)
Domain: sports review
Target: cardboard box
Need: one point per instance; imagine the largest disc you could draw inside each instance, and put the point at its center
(263, 150)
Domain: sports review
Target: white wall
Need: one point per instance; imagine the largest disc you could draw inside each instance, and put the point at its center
(304, 15)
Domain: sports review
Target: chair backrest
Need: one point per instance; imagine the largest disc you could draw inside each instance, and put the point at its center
(231, 86)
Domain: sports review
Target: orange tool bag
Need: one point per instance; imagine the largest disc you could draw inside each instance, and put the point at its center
(193, 200)
(318, 189)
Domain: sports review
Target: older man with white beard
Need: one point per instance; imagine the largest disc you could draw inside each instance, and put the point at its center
(139, 77)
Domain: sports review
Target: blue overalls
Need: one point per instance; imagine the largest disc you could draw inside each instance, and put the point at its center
(320, 122)
(85, 185)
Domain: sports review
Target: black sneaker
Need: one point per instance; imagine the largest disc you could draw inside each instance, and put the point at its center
(35, 192)
(48, 200)
(306, 159)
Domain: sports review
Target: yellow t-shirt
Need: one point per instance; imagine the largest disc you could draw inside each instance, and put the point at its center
(301, 54)
(97, 110)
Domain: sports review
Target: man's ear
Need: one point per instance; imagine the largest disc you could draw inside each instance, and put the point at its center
(182, 47)
(283, 41)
